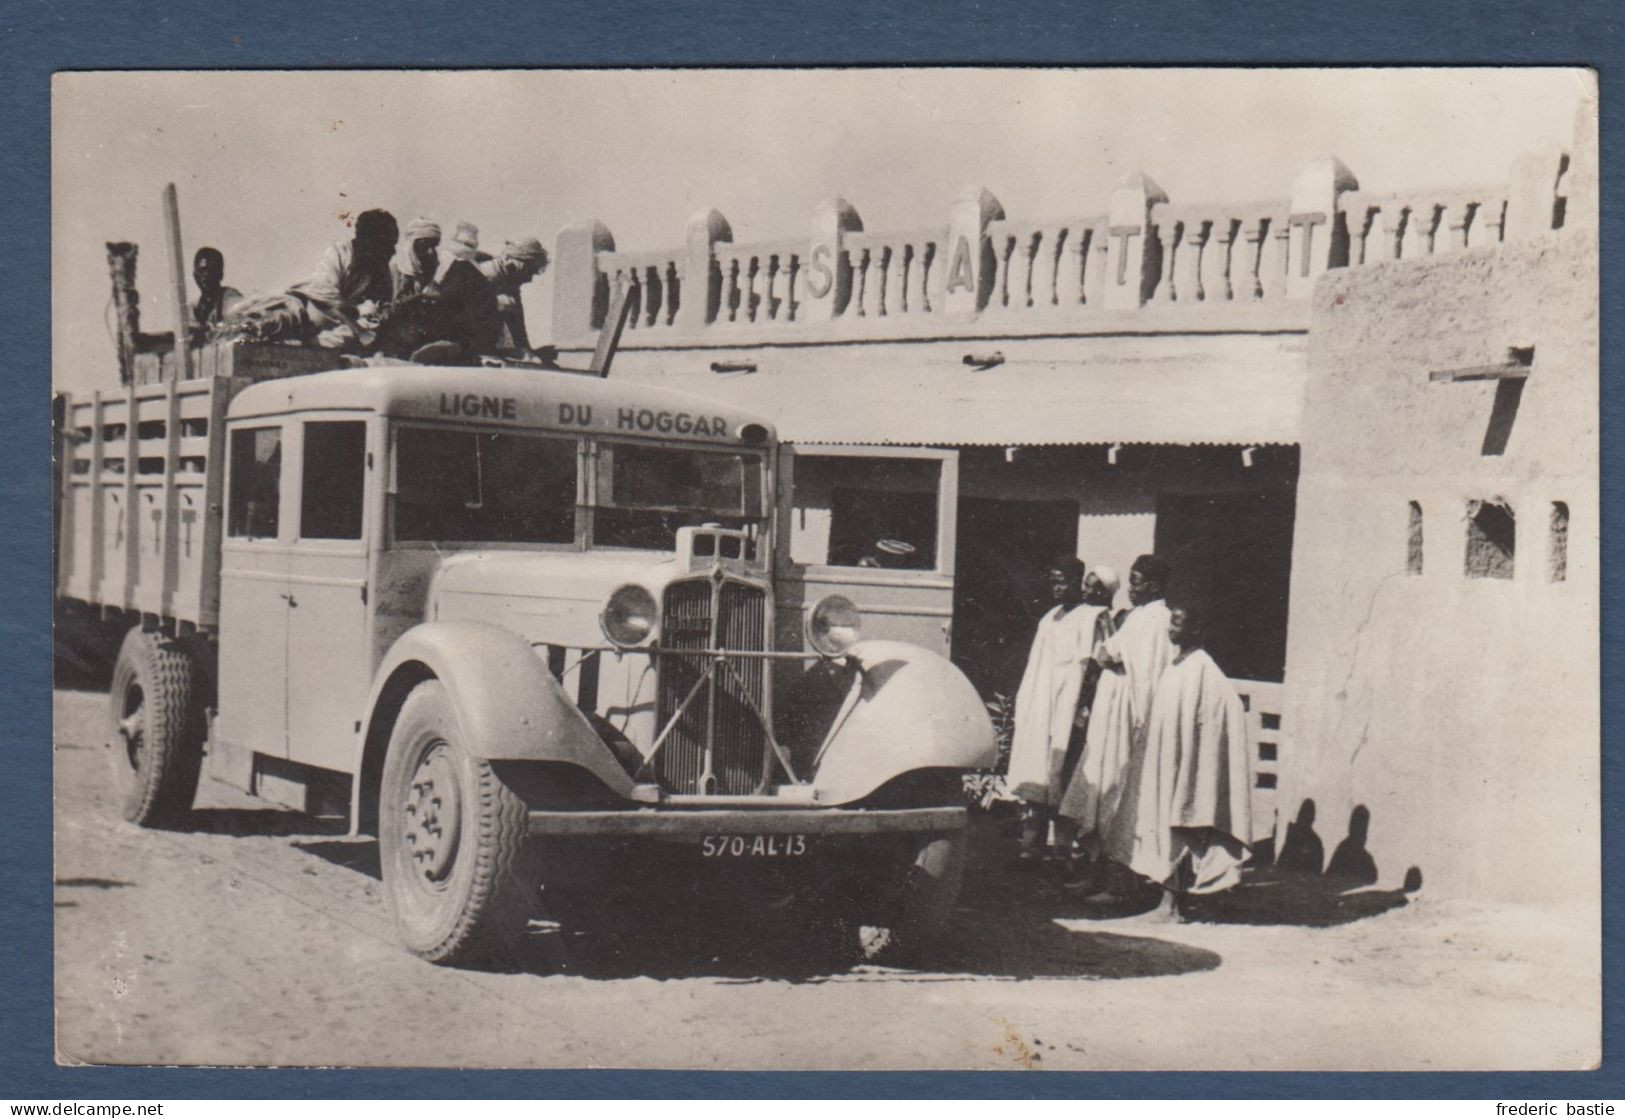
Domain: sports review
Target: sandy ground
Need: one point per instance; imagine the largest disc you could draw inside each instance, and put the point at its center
(260, 937)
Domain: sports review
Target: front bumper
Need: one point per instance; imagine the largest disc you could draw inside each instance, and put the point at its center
(677, 823)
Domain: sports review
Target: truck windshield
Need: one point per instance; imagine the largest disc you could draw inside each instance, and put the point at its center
(483, 487)
(646, 493)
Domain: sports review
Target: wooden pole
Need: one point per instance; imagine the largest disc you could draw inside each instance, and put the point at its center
(126, 305)
(609, 338)
(183, 315)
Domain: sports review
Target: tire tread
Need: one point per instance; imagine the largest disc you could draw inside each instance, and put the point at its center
(173, 745)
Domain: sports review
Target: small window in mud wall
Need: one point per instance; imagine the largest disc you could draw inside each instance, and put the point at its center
(1413, 541)
(256, 483)
(1558, 558)
(334, 480)
(851, 511)
(1491, 539)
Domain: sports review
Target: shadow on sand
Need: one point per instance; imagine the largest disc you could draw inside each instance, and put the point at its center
(1292, 891)
(1269, 896)
(360, 855)
(763, 947)
(749, 943)
(269, 821)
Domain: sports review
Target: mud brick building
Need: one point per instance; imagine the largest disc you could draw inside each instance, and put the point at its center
(1281, 397)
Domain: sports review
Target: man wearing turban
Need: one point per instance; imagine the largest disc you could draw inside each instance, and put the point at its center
(412, 271)
(463, 244)
(515, 265)
(438, 302)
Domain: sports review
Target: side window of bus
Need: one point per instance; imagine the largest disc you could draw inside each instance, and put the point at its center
(851, 511)
(334, 480)
(256, 483)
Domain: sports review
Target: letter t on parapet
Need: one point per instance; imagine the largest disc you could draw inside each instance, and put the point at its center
(1314, 243)
(1128, 249)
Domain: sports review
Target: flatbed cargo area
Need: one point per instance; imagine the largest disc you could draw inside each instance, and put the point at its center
(140, 508)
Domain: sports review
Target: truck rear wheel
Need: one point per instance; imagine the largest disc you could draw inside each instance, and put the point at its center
(452, 840)
(912, 917)
(157, 725)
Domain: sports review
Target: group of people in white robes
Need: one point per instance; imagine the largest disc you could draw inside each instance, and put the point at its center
(1128, 738)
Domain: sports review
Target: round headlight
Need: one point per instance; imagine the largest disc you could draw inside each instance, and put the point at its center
(630, 617)
(834, 625)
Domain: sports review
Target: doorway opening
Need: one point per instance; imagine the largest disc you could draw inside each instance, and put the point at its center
(1234, 550)
(999, 593)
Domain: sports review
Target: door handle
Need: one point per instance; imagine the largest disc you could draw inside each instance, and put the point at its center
(289, 599)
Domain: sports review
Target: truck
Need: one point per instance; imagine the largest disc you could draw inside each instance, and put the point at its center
(528, 628)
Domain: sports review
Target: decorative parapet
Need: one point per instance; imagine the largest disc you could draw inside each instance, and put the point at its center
(1145, 263)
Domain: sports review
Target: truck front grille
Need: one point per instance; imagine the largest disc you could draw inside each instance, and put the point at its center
(698, 614)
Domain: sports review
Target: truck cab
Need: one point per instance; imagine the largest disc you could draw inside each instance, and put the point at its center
(525, 622)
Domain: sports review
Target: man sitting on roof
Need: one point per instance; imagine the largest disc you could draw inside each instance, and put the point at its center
(452, 307)
(463, 244)
(339, 305)
(515, 265)
(412, 269)
(214, 299)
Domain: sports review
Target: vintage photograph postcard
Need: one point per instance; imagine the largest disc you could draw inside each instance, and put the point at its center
(903, 568)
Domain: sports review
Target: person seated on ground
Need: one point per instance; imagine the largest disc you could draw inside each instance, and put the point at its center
(1195, 811)
(1047, 703)
(339, 306)
(510, 269)
(214, 299)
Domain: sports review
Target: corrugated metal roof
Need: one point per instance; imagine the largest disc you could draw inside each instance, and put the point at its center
(1016, 404)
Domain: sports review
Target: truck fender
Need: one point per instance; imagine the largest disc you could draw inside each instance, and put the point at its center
(507, 702)
(909, 709)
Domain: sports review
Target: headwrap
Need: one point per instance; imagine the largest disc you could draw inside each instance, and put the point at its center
(1107, 578)
(416, 230)
(464, 242)
(526, 249)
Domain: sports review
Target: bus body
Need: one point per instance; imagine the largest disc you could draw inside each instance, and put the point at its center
(521, 625)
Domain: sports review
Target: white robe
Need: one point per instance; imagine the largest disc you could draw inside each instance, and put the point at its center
(1195, 793)
(1103, 797)
(1047, 702)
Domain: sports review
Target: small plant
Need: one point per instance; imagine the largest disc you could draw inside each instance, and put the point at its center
(984, 788)
(1001, 708)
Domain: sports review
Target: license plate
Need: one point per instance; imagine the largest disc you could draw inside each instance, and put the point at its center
(753, 846)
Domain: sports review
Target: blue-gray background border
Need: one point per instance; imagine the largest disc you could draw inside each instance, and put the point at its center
(38, 39)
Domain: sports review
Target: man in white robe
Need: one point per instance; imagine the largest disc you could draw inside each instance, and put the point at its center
(1103, 796)
(1047, 701)
(1195, 814)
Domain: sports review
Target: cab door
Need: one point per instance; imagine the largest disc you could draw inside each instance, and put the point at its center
(253, 589)
(875, 524)
(329, 658)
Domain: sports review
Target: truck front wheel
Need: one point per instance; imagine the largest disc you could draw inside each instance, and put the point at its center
(452, 839)
(157, 725)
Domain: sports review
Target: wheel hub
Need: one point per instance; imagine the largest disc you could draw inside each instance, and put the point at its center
(130, 727)
(434, 814)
